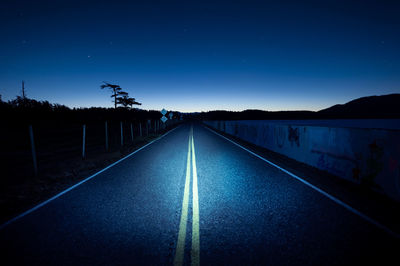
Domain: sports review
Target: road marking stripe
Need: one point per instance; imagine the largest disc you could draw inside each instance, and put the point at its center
(195, 223)
(79, 183)
(338, 201)
(180, 246)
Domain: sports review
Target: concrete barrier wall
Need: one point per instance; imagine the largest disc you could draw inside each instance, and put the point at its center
(361, 155)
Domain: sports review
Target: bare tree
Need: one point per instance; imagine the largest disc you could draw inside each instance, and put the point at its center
(126, 101)
(120, 97)
(116, 91)
(23, 90)
(132, 101)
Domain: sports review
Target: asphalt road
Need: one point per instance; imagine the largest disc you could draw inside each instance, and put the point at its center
(193, 197)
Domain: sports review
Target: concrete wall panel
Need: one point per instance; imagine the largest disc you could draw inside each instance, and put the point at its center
(361, 155)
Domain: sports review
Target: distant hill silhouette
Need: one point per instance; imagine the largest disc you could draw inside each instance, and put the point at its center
(24, 110)
(385, 106)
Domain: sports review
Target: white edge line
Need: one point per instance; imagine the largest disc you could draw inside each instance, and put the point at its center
(338, 201)
(80, 182)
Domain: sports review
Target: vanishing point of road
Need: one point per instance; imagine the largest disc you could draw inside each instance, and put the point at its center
(193, 197)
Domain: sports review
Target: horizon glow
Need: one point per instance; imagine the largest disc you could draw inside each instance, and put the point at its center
(200, 57)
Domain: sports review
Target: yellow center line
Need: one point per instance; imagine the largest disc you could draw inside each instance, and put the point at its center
(180, 247)
(195, 222)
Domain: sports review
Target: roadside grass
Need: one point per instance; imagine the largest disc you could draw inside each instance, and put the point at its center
(20, 194)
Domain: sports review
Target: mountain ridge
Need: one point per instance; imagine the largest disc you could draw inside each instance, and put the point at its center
(369, 107)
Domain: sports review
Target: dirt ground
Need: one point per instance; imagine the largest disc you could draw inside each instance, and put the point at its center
(23, 193)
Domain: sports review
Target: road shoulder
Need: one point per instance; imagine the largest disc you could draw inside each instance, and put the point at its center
(373, 204)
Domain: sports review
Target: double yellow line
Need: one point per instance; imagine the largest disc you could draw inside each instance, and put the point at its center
(180, 247)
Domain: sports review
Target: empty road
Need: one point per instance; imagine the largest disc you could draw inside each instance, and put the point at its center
(193, 197)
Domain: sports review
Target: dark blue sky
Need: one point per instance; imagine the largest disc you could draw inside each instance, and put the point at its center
(187, 56)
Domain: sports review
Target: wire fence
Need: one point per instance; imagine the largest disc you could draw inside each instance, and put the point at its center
(26, 148)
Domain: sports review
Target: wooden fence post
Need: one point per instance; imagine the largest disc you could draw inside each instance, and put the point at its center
(83, 142)
(35, 168)
(122, 135)
(106, 127)
(131, 132)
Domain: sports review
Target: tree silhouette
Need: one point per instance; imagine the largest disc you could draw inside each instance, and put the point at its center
(132, 101)
(126, 101)
(120, 97)
(116, 91)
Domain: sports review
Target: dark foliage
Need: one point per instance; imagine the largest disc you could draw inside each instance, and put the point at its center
(127, 101)
(27, 111)
(385, 106)
(120, 97)
(253, 115)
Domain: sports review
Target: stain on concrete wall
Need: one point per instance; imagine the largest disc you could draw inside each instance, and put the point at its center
(374, 164)
(280, 136)
(370, 157)
(293, 136)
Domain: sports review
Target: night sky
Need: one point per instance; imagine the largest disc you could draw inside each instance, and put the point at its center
(187, 56)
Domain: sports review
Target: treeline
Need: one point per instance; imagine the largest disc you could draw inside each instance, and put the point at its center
(371, 107)
(289, 115)
(25, 110)
(253, 115)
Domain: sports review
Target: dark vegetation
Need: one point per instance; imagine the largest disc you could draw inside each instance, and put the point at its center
(384, 106)
(372, 107)
(57, 131)
(29, 111)
(120, 97)
(58, 139)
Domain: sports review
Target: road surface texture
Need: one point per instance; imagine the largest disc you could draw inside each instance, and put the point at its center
(193, 197)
